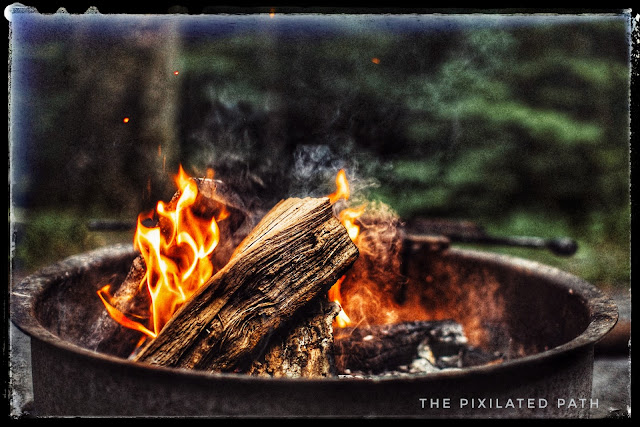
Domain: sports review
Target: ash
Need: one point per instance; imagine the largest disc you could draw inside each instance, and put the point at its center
(446, 349)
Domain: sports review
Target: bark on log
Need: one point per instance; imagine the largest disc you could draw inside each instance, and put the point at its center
(306, 349)
(294, 254)
(378, 348)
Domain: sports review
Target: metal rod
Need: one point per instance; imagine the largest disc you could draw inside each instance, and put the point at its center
(117, 225)
(562, 246)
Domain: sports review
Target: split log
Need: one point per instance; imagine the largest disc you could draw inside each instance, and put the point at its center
(132, 299)
(378, 348)
(296, 252)
(304, 350)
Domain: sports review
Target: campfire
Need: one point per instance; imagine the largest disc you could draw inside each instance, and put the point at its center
(234, 312)
(315, 289)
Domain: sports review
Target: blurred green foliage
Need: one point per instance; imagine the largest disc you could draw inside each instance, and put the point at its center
(53, 234)
(524, 128)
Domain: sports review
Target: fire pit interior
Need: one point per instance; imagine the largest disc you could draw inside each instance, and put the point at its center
(542, 321)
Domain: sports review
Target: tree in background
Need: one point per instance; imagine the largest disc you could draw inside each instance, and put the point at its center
(521, 127)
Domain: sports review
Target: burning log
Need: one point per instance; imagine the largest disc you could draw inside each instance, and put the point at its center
(306, 350)
(296, 252)
(378, 348)
(111, 337)
(132, 297)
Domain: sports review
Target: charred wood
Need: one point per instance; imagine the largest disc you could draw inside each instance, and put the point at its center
(305, 349)
(296, 252)
(378, 348)
(130, 298)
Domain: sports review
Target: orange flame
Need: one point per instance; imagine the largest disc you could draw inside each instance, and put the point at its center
(347, 217)
(342, 320)
(176, 253)
(342, 188)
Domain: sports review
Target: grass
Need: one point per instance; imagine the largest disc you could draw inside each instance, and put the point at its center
(42, 237)
(603, 256)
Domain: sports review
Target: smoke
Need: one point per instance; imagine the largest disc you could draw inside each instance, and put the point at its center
(371, 287)
(315, 168)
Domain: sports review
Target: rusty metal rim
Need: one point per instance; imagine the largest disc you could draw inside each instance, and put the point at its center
(603, 313)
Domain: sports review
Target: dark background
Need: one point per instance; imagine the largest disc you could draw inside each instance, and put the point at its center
(520, 124)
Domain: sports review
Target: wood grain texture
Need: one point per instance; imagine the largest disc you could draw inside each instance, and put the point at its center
(296, 252)
(305, 349)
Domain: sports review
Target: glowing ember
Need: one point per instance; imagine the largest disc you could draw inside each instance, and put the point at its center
(125, 120)
(375, 60)
(177, 256)
(347, 218)
(176, 72)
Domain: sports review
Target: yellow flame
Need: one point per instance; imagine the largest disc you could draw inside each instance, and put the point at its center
(177, 256)
(342, 188)
(347, 217)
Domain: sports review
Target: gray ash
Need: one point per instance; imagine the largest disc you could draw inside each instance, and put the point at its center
(408, 349)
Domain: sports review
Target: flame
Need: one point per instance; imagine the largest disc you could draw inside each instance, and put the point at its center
(342, 320)
(368, 291)
(342, 188)
(117, 315)
(347, 217)
(176, 253)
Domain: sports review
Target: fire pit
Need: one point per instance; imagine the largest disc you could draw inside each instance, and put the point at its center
(546, 319)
